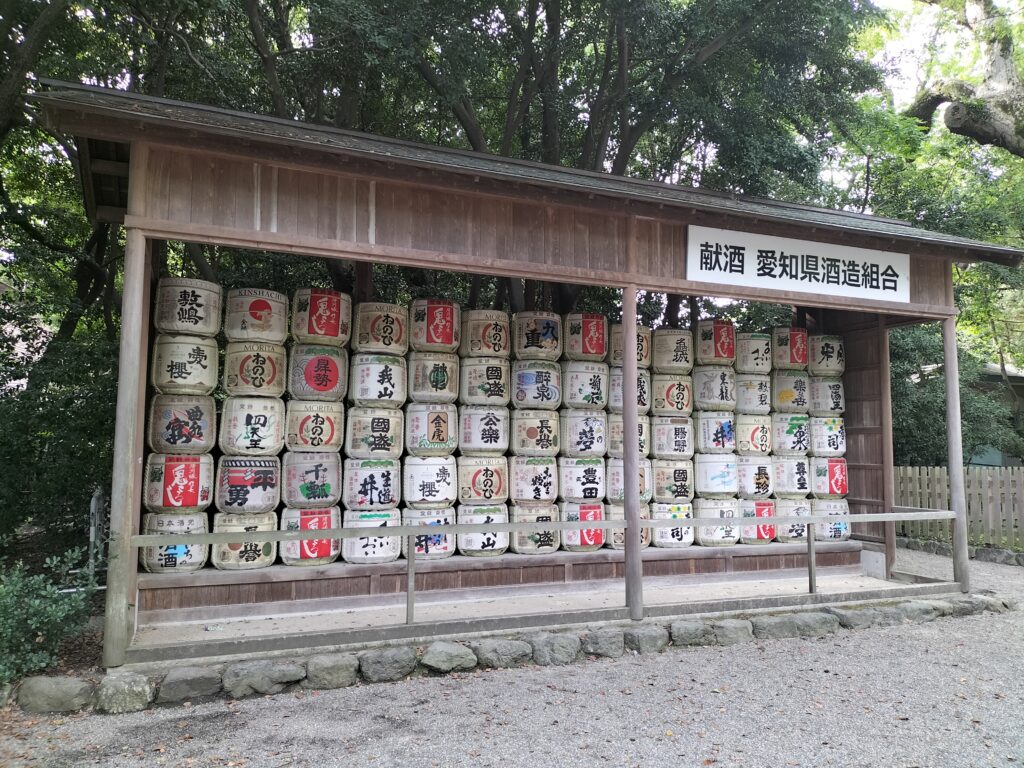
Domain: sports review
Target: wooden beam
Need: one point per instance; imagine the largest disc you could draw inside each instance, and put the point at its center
(957, 488)
(109, 168)
(888, 463)
(109, 214)
(630, 439)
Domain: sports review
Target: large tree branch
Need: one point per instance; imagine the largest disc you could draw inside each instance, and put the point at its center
(986, 123)
(267, 58)
(461, 106)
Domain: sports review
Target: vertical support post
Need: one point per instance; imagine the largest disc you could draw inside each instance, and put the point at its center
(410, 579)
(888, 468)
(957, 492)
(812, 563)
(631, 440)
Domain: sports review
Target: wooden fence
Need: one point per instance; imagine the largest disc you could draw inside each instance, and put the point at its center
(995, 504)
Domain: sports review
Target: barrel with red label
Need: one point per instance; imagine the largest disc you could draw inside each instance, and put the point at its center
(321, 316)
(318, 372)
(585, 539)
(716, 342)
(436, 325)
(586, 336)
(256, 314)
(789, 349)
(310, 551)
(178, 483)
(763, 532)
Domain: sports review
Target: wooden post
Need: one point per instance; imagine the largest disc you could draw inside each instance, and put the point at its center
(888, 469)
(957, 492)
(631, 457)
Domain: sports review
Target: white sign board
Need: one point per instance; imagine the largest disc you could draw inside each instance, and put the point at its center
(726, 257)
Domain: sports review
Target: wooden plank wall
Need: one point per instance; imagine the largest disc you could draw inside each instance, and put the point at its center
(864, 427)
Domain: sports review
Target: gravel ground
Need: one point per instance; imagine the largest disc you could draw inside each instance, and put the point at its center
(948, 693)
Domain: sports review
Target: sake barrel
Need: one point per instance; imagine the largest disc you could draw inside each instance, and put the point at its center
(184, 365)
(673, 481)
(178, 483)
(255, 314)
(755, 476)
(378, 381)
(374, 433)
(643, 346)
(829, 478)
(585, 384)
(615, 435)
(791, 475)
(311, 479)
(761, 532)
(753, 435)
(790, 392)
(244, 555)
(255, 368)
(318, 372)
(187, 305)
(714, 388)
(536, 384)
(828, 436)
(435, 326)
(672, 537)
(485, 333)
(535, 433)
(489, 543)
(581, 479)
(248, 485)
(431, 429)
(753, 394)
(321, 316)
(173, 558)
(537, 335)
(715, 475)
(831, 531)
(827, 396)
(381, 328)
(310, 551)
(584, 432)
(826, 355)
(791, 434)
(672, 437)
(182, 424)
(540, 541)
(643, 391)
(672, 394)
(753, 353)
(433, 377)
(615, 481)
(716, 342)
(430, 482)
(252, 426)
(483, 480)
(716, 432)
(371, 484)
(672, 350)
(483, 430)
(616, 538)
(586, 539)
(312, 425)
(724, 535)
(429, 546)
(371, 549)
(586, 336)
(534, 479)
(789, 532)
(484, 381)
(789, 349)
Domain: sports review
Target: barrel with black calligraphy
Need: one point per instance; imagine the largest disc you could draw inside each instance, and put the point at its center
(586, 336)
(248, 485)
(174, 558)
(672, 350)
(321, 316)
(584, 432)
(311, 479)
(831, 531)
(371, 484)
(536, 384)
(430, 482)
(643, 391)
(534, 479)
(828, 436)
(178, 483)
(672, 437)
(585, 384)
(318, 372)
(433, 377)
(488, 543)
(369, 548)
(252, 426)
(535, 433)
(827, 396)
(753, 435)
(486, 333)
(483, 480)
(643, 346)
(381, 329)
(672, 394)
(314, 425)
(753, 394)
(714, 388)
(716, 432)
(537, 336)
(673, 481)
(826, 355)
(581, 479)
(534, 542)
(378, 381)
(755, 476)
(182, 424)
(484, 381)
(255, 368)
(374, 433)
(431, 429)
(790, 391)
(483, 430)
(790, 532)
(727, 532)
(244, 555)
(789, 349)
(256, 314)
(427, 545)
(615, 435)
(672, 537)
(435, 326)
(791, 434)
(753, 353)
(310, 551)
(184, 365)
(187, 305)
(791, 476)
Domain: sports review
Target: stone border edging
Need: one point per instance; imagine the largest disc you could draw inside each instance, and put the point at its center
(981, 554)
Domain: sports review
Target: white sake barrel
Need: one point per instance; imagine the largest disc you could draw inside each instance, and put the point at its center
(534, 479)
(673, 481)
(321, 316)
(429, 546)
(483, 480)
(581, 479)
(187, 305)
(585, 384)
(672, 350)
(753, 394)
(715, 475)
(643, 391)
(537, 335)
(616, 538)
(586, 336)
(248, 486)
(255, 314)
(535, 433)
(792, 476)
(826, 355)
(312, 425)
(317, 372)
(371, 484)
(723, 535)
(791, 434)
(672, 437)
(255, 368)
(716, 342)
(672, 537)
(828, 436)
(789, 349)
(837, 531)
(431, 429)
(381, 328)
(311, 479)
(484, 381)
(435, 325)
(755, 476)
(761, 532)
(716, 432)
(789, 532)
(583, 432)
(753, 353)
(753, 435)
(374, 433)
(488, 544)
(672, 394)
(174, 558)
(430, 482)
(615, 481)
(178, 483)
(244, 555)
(615, 435)
(714, 388)
(485, 333)
(433, 377)
(827, 396)
(252, 426)
(790, 392)
(586, 539)
(829, 478)
(371, 549)
(643, 346)
(483, 430)
(182, 424)
(536, 384)
(310, 551)
(184, 365)
(539, 542)
(378, 381)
